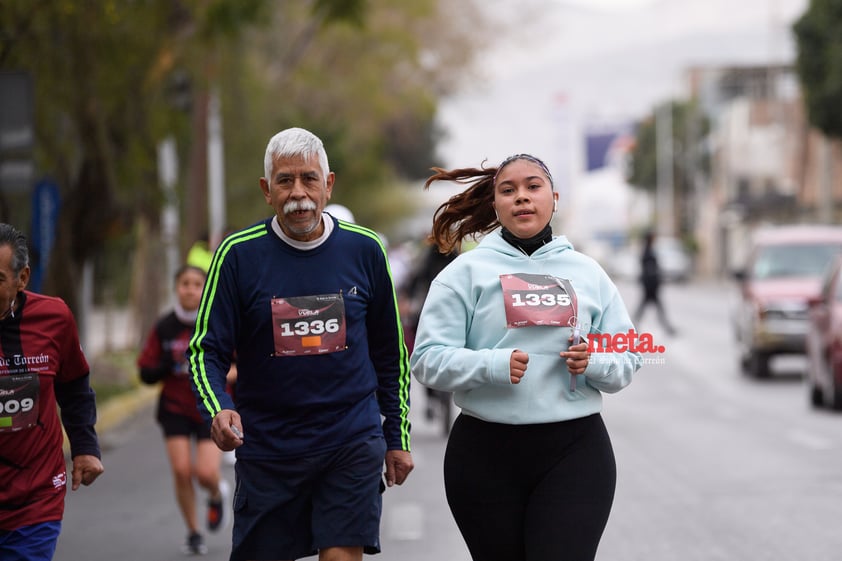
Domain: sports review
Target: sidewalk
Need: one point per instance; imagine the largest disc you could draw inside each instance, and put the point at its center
(108, 329)
(111, 330)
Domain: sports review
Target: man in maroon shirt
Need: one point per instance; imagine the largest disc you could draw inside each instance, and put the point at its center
(41, 365)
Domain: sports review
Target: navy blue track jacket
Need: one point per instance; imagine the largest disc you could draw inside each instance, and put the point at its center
(261, 293)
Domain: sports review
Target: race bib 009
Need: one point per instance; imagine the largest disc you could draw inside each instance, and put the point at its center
(19, 401)
(305, 325)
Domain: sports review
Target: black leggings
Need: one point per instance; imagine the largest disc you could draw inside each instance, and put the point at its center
(530, 492)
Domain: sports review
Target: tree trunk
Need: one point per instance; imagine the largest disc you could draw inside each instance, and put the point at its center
(145, 296)
(195, 202)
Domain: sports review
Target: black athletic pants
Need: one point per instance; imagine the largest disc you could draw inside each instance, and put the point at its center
(530, 492)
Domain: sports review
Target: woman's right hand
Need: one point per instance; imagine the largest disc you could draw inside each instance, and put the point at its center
(517, 365)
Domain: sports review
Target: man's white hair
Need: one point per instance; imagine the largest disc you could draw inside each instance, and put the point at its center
(295, 142)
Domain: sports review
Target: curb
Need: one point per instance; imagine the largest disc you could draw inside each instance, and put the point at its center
(117, 409)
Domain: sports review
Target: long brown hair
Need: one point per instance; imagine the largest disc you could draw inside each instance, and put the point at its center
(467, 213)
(470, 212)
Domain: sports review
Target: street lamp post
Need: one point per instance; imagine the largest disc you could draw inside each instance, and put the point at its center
(665, 191)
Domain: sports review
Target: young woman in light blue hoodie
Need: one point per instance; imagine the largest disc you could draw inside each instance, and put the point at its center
(520, 328)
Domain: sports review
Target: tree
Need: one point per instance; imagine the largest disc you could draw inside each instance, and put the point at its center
(818, 36)
(98, 109)
(114, 78)
(690, 159)
(104, 100)
(369, 90)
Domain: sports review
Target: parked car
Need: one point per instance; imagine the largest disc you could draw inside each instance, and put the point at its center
(824, 342)
(784, 271)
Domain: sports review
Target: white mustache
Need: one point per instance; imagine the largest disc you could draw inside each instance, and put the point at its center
(293, 206)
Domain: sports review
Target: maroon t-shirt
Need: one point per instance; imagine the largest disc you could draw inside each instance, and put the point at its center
(39, 346)
(167, 344)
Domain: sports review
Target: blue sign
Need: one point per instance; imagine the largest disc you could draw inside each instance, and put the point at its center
(46, 203)
(601, 140)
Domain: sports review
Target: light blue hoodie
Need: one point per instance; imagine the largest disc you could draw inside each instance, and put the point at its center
(463, 345)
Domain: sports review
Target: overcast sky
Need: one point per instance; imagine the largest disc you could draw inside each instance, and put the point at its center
(557, 66)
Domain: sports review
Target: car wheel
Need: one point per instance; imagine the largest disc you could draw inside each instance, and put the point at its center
(836, 400)
(813, 375)
(823, 372)
(835, 394)
(758, 365)
(745, 356)
(745, 361)
(816, 396)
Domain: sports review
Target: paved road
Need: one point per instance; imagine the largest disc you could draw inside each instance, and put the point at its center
(129, 514)
(712, 466)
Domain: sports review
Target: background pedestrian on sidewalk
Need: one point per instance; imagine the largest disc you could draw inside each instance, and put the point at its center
(163, 360)
(41, 365)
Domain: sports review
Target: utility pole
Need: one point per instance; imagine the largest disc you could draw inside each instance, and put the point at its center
(216, 172)
(196, 197)
(825, 183)
(665, 192)
(168, 175)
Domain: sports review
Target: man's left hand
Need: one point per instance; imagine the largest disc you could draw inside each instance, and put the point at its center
(86, 469)
(398, 465)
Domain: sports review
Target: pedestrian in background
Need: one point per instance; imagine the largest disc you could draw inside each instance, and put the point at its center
(163, 360)
(41, 365)
(650, 283)
(307, 303)
(529, 468)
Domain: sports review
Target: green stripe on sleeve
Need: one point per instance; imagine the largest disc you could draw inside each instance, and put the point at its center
(197, 354)
(403, 376)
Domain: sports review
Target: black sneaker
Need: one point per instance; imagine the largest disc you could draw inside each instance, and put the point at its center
(195, 544)
(216, 507)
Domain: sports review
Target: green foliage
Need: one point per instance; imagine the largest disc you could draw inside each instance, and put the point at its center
(99, 109)
(689, 131)
(113, 78)
(114, 373)
(366, 91)
(819, 63)
(691, 161)
(353, 11)
(643, 173)
(228, 18)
